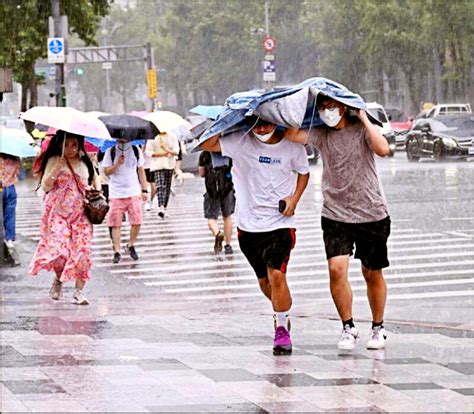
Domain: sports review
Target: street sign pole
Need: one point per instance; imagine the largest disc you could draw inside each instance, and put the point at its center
(60, 88)
(268, 65)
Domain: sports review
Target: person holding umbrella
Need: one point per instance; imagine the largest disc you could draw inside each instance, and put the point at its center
(123, 165)
(65, 245)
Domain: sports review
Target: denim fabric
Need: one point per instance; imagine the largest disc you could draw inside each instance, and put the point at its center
(242, 104)
(9, 212)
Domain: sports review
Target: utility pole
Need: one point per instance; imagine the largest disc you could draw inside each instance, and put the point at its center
(267, 24)
(107, 74)
(60, 88)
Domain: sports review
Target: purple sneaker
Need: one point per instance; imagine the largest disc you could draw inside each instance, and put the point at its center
(282, 342)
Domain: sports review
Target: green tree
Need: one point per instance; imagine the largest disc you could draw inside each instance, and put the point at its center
(24, 37)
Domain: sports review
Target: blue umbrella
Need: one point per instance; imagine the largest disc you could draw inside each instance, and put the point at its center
(242, 104)
(16, 142)
(209, 111)
(104, 144)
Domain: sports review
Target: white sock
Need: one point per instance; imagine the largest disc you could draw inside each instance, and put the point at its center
(282, 318)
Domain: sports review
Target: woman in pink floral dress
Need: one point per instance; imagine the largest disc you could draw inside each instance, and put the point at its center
(65, 246)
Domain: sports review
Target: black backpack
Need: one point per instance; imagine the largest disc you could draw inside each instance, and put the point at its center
(135, 151)
(218, 180)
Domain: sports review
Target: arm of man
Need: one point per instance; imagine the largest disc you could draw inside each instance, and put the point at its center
(292, 202)
(143, 183)
(212, 144)
(378, 141)
(110, 168)
(296, 135)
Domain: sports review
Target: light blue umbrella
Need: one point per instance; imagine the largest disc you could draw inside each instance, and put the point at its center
(16, 142)
(209, 111)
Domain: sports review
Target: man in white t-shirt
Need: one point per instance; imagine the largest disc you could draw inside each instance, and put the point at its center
(123, 165)
(267, 193)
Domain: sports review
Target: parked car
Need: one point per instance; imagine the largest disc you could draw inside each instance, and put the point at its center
(442, 137)
(400, 123)
(447, 109)
(377, 111)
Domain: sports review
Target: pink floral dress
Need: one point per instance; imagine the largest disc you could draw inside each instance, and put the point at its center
(65, 245)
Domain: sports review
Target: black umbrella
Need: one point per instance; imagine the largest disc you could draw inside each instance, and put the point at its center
(129, 127)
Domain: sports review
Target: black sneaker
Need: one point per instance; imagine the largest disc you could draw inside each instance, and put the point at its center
(228, 249)
(116, 258)
(131, 251)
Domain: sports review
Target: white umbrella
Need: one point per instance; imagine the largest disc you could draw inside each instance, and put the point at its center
(167, 121)
(67, 119)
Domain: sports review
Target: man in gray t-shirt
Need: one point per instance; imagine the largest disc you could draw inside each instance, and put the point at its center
(354, 211)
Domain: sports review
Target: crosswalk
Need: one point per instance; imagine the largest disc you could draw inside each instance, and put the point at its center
(176, 257)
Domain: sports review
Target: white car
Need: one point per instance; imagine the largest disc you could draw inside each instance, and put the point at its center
(449, 109)
(378, 112)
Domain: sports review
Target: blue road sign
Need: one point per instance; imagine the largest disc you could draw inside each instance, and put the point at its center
(56, 46)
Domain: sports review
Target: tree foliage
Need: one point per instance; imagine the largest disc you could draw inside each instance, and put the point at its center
(398, 52)
(24, 31)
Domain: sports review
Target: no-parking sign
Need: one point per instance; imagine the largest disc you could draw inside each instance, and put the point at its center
(269, 43)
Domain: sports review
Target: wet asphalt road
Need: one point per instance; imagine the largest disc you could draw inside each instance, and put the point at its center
(431, 252)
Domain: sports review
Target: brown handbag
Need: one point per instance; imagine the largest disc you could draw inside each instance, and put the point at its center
(95, 205)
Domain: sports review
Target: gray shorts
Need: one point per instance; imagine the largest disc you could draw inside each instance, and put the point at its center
(214, 206)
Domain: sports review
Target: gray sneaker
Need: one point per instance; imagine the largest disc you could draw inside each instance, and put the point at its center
(55, 291)
(79, 298)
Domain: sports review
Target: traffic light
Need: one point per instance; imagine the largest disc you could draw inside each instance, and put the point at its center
(152, 83)
(79, 71)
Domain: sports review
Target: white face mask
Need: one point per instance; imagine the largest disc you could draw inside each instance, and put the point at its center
(264, 137)
(330, 117)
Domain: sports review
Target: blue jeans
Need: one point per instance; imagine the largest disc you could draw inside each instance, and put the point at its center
(9, 212)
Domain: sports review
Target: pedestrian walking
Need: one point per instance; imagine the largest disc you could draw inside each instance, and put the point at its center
(178, 172)
(9, 172)
(65, 245)
(150, 178)
(354, 211)
(267, 193)
(219, 198)
(163, 150)
(123, 165)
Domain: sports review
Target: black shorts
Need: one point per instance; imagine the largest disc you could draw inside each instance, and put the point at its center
(150, 175)
(214, 206)
(370, 240)
(268, 249)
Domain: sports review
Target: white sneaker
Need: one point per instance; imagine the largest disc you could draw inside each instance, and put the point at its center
(377, 338)
(161, 212)
(147, 206)
(79, 298)
(348, 339)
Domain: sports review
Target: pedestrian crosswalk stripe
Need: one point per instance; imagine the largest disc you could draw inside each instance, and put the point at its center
(356, 298)
(177, 267)
(292, 267)
(387, 276)
(467, 281)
